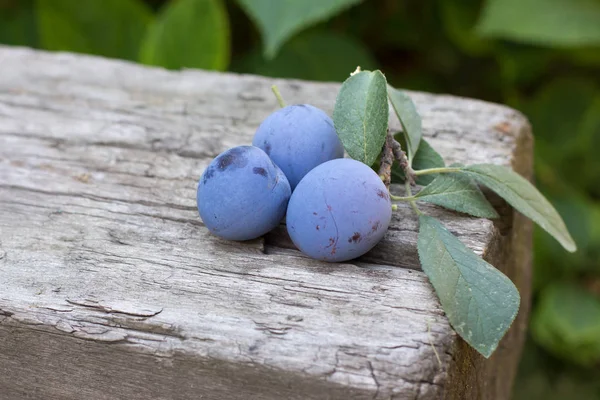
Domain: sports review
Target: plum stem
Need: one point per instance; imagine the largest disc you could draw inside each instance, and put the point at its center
(277, 94)
(409, 194)
(414, 206)
(402, 198)
(440, 170)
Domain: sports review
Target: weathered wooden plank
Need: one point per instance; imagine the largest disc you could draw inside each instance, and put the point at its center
(111, 287)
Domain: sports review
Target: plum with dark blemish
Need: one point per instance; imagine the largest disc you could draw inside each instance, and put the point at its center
(382, 193)
(355, 238)
(260, 171)
(232, 157)
(298, 138)
(337, 212)
(208, 173)
(242, 194)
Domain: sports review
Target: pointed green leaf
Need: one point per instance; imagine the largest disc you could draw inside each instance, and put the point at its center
(480, 301)
(189, 34)
(110, 28)
(279, 20)
(409, 118)
(361, 115)
(524, 197)
(425, 158)
(457, 192)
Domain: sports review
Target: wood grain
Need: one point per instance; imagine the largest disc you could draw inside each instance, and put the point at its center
(111, 286)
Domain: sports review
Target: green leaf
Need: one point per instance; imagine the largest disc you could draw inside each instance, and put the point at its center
(584, 56)
(560, 106)
(566, 322)
(18, 23)
(316, 55)
(189, 34)
(563, 23)
(458, 19)
(361, 115)
(457, 192)
(479, 301)
(110, 28)
(409, 118)
(582, 218)
(523, 65)
(524, 197)
(568, 105)
(279, 20)
(425, 158)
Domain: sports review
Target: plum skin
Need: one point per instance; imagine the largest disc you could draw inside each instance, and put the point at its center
(339, 211)
(298, 138)
(242, 194)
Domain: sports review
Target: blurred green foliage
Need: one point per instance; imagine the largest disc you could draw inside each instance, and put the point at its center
(111, 28)
(188, 33)
(539, 56)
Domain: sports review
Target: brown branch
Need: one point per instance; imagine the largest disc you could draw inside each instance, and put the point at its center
(400, 156)
(387, 159)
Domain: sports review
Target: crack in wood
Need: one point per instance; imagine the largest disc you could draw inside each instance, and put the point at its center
(145, 313)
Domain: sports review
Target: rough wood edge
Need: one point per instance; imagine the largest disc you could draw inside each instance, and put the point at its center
(476, 377)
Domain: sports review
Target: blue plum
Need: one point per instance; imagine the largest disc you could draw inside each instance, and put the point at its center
(298, 138)
(242, 194)
(339, 211)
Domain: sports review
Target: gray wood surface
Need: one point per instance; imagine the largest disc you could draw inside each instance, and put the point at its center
(112, 288)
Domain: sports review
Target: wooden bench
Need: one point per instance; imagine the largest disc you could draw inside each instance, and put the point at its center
(112, 288)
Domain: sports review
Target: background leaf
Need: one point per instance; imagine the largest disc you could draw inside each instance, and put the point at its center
(457, 192)
(524, 197)
(111, 28)
(523, 65)
(582, 218)
(479, 301)
(189, 34)
(458, 19)
(425, 158)
(18, 24)
(567, 323)
(409, 118)
(542, 376)
(568, 105)
(552, 262)
(546, 22)
(361, 115)
(278, 20)
(316, 55)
